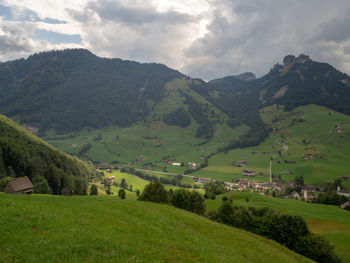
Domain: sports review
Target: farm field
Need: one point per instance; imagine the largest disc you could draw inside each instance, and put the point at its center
(104, 229)
(142, 146)
(139, 183)
(327, 220)
(329, 152)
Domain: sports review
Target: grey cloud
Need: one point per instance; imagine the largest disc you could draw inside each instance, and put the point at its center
(141, 14)
(252, 35)
(14, 39)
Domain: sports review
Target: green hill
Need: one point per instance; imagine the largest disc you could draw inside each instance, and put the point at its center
(102, 229)
(71, 89)
(23, 154)
(328, 221)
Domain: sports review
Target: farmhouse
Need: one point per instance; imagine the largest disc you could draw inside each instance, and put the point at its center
(111, 177)
(176, 164)
(203, 180)
(21, 185)
(290, 161)
(286, 172)
(249, 173)
(293, 195)
(306, 157)
(242, 163)
(346, 206)
(193, 165)
(109, 171)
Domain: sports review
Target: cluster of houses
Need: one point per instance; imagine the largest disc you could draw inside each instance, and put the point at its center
(239, 163)
(202, 180)
(193, 165)
(338, 128)
(250, 173)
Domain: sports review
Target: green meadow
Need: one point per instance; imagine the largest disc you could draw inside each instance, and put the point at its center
(41, 228)
(311, 125)
(329, 221)
(139, 183)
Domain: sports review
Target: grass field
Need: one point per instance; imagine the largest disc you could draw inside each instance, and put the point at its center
(40, 228)
(329, 221)
(314, 128)
(138, 183)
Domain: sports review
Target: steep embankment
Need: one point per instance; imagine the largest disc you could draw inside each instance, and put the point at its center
(100, 229)
(22, 153)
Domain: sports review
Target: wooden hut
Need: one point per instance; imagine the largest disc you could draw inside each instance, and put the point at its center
(21, 185)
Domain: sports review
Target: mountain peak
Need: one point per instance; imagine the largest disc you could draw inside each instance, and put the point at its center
(290, 59)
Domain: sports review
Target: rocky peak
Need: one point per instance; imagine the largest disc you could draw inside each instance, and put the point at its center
(303, 58)
(289, 59)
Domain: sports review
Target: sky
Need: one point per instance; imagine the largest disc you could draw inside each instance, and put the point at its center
(201, 38)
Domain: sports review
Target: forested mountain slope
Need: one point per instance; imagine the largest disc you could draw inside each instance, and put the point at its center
(71, 89)
(23, 154)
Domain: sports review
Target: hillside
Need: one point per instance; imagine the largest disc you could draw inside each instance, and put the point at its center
(71, 89)
(149, 143)
(302, 131)
(328, 221)
(23, 154)
(102, 229)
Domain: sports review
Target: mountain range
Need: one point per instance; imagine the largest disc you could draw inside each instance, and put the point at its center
(72, 89)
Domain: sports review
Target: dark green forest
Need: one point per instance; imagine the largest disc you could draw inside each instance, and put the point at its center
(71, 89)
(51, 170)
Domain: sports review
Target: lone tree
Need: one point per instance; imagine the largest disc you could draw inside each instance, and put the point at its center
(93, 190)
(121, 194)
(154, 192)
(123, 183)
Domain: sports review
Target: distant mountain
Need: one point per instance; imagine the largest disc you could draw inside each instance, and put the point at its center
(299, 81)
(23, 154)
(70, 89)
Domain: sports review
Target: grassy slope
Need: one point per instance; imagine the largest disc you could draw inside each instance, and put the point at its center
(133, 142)
(100, 229)
(315, 128)
(329, 221)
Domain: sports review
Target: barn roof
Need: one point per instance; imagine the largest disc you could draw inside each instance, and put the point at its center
(21, 183)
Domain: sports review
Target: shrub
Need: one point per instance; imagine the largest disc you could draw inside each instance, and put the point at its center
(190, 201)
(41, 186)
(122, 194)
(316, 248)
(93, 190)
(154, 192)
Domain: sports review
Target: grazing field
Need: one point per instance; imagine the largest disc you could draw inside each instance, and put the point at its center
(303, 131)
(104, 229)
(329, 221)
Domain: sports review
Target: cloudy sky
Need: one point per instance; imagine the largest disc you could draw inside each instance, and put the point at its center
(201, 38)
